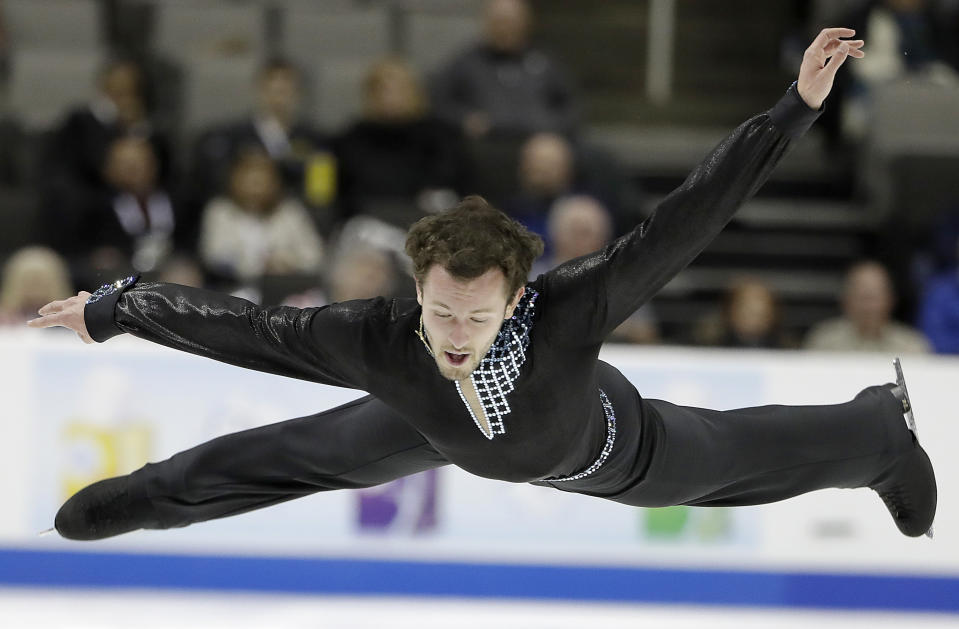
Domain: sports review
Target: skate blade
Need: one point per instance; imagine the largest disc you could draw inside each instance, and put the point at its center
(901, 383)
(910, 418)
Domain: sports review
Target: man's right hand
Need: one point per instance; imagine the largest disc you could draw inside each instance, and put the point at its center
(67, 313)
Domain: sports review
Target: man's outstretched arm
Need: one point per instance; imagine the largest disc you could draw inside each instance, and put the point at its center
(299, 343)
(590, 296)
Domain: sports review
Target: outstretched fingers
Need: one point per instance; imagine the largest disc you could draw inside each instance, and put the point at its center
(53, 306)
(837, 59)
(48, 320)
(827, 35)
(62, 304)
(852, 47)
(825, 55)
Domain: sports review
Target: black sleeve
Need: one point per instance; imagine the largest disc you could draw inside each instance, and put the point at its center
(317, 344)
(587, 298)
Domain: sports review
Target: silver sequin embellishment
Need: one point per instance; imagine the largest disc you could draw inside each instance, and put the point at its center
(607, 449)
(493, 378)
(109, 289)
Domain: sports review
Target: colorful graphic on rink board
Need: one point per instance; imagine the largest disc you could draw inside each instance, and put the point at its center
(404, 507)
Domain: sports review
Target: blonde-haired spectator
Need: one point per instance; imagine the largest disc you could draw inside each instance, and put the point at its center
(392, 92)
(398, 162)
(32, 277)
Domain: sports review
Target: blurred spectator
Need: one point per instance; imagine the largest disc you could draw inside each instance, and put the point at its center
(74, 160)
(302, 154)
(356, 271)
(866, 325)
(257, 230)
(503, 85)
(550, 167)
(181, 269)
(131, 223)
(906, 38)
(937, 252)
(750, 317)
(361, 273)
(577, 226)
(79, 183)
(32, 277)
(939, 312)
(546, 173)
(398, 162)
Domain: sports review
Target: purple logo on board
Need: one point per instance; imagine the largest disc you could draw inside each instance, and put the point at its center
(406, 506)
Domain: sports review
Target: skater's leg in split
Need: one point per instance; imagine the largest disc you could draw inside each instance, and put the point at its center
(765, 454)
(359, 444)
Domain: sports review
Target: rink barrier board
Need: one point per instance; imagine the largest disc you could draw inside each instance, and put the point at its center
(20, 567)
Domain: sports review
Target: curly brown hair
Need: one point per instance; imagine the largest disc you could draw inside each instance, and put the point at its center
(471, 238)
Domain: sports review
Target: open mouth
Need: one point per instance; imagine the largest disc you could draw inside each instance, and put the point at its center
(456, 359)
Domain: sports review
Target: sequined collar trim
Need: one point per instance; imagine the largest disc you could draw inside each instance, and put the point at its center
(494, 378)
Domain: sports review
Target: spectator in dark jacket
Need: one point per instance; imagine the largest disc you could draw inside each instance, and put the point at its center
(73, 165)
(132, 224)
(302, 154)
(398, 162)
(939, 313)
(503, 85)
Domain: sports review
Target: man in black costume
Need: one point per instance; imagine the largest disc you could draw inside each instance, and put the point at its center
(501, 377)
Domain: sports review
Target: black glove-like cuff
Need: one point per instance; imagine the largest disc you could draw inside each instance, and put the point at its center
(98, 313)
(792, 115)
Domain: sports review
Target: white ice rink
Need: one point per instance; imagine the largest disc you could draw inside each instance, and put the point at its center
(98, 609)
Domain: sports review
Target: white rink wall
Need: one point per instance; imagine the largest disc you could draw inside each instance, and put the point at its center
(74, 413)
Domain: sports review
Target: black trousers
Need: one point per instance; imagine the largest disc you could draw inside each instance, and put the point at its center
(664, 455)
(359, 444)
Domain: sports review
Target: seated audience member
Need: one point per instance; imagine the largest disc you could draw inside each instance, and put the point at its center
(132, 223)
(906, 39)
(503, 85)
(72, 167)
(750, 317)
(256, 229)
(939, 311)
(579, 225)
(182, 269)
(356, 271)
(546, 173)
(549, 167)
(866, 323)
(32, 277)
(275, 127)
(361, 273)
(397, 162)
(576, 225)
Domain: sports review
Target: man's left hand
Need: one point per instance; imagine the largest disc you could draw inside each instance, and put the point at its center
(821, 61)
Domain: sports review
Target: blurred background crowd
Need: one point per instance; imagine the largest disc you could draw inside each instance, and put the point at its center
(279, 149)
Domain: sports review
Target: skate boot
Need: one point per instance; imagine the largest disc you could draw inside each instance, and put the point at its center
(908, 486)
(104, 509)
